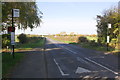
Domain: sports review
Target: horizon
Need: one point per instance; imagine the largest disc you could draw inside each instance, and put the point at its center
(78, 17)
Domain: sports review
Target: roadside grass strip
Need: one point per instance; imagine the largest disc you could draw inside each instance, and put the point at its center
(8, 63)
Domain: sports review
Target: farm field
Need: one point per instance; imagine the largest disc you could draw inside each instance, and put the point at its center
(91, 43)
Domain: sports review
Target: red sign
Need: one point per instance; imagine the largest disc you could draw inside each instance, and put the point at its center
(11, 29)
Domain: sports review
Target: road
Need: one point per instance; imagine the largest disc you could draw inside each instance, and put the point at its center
(73, 62)
(61, 60)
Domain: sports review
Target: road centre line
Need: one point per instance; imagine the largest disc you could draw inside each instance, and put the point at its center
(80, 59)
(62, 73)
(68, 49)
(92, 61)
(101, 66)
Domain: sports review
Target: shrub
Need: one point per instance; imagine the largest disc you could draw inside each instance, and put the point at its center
(82, 39)
(5, 40)
(93, 43)
(23, 38)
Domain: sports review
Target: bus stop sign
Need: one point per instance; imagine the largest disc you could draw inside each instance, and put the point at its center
(11, 29)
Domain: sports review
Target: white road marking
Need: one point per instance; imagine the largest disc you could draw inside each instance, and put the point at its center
(88, 60)
(62, 73)
(102, 66)
(69, 50)
(82, 70)
(79, 59)
(66, 48)
(97, 57)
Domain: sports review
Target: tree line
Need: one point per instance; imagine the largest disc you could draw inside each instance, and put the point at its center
(109, 16)
(30, 17)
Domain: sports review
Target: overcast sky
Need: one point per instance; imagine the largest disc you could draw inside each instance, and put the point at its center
(76, 17)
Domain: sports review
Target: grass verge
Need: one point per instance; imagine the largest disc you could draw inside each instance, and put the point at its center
(95, 47)
(30, 45)
(88, 45)
(8, 62)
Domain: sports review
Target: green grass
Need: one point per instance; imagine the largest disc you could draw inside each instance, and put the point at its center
(8, 62)
(67, 41)
(95, 47)
(84, 45)
(16, 39)
(89, 45)
(91, 38)
(32, 44)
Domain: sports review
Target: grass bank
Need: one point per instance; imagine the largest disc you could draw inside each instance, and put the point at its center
(8, 63)
(33, 43)
(93, 46)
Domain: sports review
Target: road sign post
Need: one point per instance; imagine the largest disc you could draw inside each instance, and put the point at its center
(15, 13)
(108, 37)
(12, 35)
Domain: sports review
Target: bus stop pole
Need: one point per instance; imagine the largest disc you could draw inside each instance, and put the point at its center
(12, 44)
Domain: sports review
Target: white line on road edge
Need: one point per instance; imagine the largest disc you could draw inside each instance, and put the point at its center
(102, 66)
(62, 73)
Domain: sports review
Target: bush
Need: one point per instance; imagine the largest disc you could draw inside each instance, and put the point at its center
(93, 43)
(82, 39)
(23, 38)
(5, 40)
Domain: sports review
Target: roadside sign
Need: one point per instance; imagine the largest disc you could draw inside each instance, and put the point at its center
(11, 29)
(12, 38)
(109, 25)
(16, 12)
(108, 39)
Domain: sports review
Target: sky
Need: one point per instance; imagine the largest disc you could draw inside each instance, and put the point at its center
(78, 17)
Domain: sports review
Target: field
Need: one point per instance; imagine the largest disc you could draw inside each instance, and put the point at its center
(71, 39)
(91, 43)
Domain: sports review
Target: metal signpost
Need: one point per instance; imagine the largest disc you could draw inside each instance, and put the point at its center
(15, 13)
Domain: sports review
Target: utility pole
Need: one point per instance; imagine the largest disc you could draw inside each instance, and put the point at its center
(45, 58)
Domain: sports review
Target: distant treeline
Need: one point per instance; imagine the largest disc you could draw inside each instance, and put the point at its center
(72, 38)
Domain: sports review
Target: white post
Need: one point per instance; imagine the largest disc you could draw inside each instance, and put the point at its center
(108, 37)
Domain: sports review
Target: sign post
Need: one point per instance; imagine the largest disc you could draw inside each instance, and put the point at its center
(12, 38)
(15, 13)
(108, 37)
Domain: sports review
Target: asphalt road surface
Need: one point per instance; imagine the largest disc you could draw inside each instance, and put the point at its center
(61, 60)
